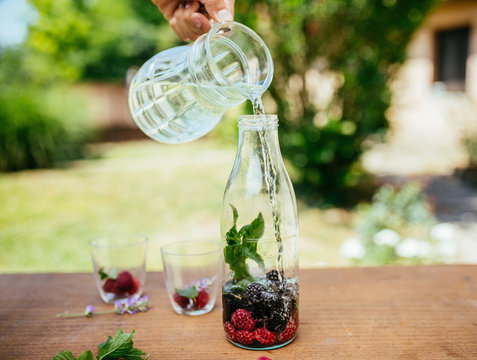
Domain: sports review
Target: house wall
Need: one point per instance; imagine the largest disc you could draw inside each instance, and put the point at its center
(424, 114)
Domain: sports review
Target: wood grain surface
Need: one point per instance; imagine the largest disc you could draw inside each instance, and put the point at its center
(427, 312)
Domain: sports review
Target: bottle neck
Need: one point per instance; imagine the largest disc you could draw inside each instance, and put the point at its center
(258, 134)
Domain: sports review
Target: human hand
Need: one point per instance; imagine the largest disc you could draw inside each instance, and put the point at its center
(187, 18)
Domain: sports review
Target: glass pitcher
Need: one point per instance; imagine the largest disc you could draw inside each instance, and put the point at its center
(259, 227)
(180, 94)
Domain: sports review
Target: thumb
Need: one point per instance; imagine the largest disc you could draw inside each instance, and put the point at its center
(219, 10)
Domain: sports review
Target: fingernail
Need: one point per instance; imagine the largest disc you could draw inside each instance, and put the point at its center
(224, 14)
(188, 4)
(197, 23)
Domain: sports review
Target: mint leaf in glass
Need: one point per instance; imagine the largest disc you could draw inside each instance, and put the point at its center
(188, 292)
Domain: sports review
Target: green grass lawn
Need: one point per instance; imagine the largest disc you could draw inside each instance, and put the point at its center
(170, 193)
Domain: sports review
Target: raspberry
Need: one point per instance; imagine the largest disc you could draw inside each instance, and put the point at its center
(243, 320)
(135, 287)
(230, 330)
(110, 286)
(288, 333)
(182, 301)
(263, 358)
(244, 337)
(264, 336)
(124, 281)
(202, 299)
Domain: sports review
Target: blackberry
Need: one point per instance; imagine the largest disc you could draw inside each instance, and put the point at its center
(273, 276)
(278, 320)
(254, 292)
(230, 303)
(264, 308)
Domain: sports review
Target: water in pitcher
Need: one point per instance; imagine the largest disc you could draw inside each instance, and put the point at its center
(173, 101)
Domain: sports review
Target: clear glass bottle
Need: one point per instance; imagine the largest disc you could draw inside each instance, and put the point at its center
(180, 94)
(259, 227)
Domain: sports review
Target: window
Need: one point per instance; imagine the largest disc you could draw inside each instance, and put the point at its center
(451, 56)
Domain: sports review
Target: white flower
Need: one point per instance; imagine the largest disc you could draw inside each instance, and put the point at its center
(443, 232)
(352, 249)
(386, 237)
(411, 247)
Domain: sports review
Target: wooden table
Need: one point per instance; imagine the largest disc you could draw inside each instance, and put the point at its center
(427, 312)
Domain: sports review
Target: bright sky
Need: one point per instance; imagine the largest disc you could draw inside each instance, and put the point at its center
(14, 16)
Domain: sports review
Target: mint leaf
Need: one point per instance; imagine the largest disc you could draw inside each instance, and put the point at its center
(233, 255)
(189, 292)
(64, 355)
(102, 274)
(113, 274)
(242, 245)
(238, 287)
(135, 354)
(254, 256)
(68, 355)
(117, 346)
(254, 230)
(234, 210)
(87, 355)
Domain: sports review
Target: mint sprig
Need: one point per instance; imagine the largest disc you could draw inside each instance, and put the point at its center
(189, 292)
(113, 274)
(114, 348)
(68, 355)
(242, 245)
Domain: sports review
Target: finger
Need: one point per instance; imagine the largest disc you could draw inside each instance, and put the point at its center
(201, 22)
(167, 7)
(189, 23)
(219, 10)
(176, 24)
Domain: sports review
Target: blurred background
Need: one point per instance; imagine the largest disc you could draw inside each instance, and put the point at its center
(377, 101)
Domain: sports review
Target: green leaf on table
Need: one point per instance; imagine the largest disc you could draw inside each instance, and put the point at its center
(188, 292)
(117, 346)
(135, 354)
(68, 355)
(87, 355)
(64, 355)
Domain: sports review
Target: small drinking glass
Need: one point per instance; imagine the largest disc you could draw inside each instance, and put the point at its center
(192, 271)
(119, 263)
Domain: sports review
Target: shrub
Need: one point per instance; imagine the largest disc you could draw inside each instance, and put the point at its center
(471, 147)
(39, 128)
(398, 227)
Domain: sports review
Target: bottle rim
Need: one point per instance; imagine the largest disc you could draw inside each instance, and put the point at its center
(233, 25)
(258, 122)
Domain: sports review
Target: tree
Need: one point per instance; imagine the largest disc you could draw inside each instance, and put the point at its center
(95, 40)
(357, 45)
